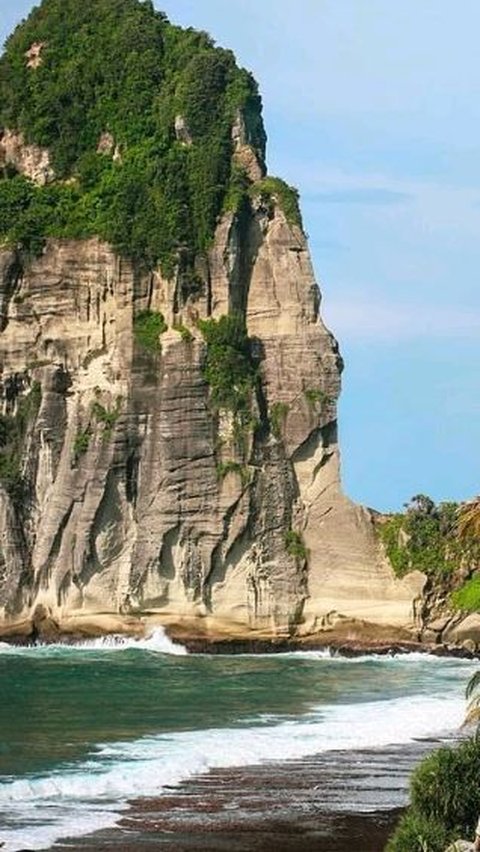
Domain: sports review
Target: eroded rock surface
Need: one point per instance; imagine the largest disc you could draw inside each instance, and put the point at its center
(122, 511)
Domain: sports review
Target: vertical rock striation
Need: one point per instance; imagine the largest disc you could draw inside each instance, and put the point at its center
(130, 488)
(123, 509)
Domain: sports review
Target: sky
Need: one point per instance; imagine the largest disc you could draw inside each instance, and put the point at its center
(372, 110)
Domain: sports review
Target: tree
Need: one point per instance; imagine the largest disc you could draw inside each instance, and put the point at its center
(468, 524)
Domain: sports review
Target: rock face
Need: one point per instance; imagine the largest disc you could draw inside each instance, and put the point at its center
(29, 160)
(116, 506)
(129, 488)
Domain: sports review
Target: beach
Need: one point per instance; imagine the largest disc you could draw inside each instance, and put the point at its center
(327, 803)
(130, 744)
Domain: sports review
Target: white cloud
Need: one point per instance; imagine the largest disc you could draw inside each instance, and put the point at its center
(362, 320)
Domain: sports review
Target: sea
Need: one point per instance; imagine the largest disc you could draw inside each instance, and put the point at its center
(86, 728)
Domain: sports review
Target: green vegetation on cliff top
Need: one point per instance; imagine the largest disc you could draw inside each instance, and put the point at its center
(424, 538)
(118, 71)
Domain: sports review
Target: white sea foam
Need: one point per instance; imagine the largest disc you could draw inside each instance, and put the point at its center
(92, 794)
(157, 641)
(392, 657)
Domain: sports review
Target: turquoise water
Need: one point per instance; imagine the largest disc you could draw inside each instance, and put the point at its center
(84, 729)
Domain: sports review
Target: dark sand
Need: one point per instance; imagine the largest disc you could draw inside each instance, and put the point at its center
(334, 802)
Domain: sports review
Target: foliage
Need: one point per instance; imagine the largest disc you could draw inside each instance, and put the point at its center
(13, 432)
(278, 414)
(424, 538)
(469, 519)
(30, 214)
(392, 533)
(445, 799)
(184, 332)
(224, 468)
(229, 367)
(238, 190)
(415, 833)
(119, 67)
(316, 396)
(294, 544)
(467, 597)
(273, 190)
(81, 442)
(107, 416)
(147, 328)
(472, 695)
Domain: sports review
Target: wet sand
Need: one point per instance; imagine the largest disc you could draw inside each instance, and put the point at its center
(334, 802)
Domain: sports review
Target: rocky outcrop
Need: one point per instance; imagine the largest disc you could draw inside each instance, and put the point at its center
(28, 160)
(34, 54)
(132, 495)
(246, 154)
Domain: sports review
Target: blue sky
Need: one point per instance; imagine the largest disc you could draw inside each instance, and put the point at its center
(373, 110)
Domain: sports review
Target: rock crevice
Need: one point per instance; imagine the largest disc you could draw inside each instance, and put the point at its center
(143, 503)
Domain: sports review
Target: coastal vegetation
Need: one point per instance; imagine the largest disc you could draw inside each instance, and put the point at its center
(106, 416)
(184, 332)
(81, 443)
(426, 538)
(271, 190)
(445, 796)
(316, 397)
(13, 433)
(224, 468)
(229, 367)
(147, 328)
(445, 800)
(467, 596)
(295, 545)
(469, 519)
(141, 144)
(278, 416)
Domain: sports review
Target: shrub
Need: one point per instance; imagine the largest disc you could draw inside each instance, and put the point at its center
(147, 328)
(224, 468)
(229, 367)
(445, 800)
(424, 538)
(315, 396)
(13, 433)
(273, 190)
(81, 443)
(184, 332)
(238, 190)
(415, 833)
(294, 545)
(107, 416)
(445, 787)
(278, 415)
(467, 597)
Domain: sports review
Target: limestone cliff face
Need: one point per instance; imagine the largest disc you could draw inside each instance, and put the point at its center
(132, 496)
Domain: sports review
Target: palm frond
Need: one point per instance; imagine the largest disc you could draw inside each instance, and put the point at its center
(472, 716)
(472, 685)
(468, 521)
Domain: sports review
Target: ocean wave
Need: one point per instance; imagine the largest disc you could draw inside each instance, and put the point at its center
(92, 794)
(157, 641)
(392, 656)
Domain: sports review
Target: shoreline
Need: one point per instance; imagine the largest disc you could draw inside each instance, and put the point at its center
(330, 802)
(335, 832)
(346, 636)
(285, 787)
(332, 641)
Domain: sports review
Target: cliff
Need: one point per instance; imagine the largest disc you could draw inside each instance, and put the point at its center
(169, 431)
